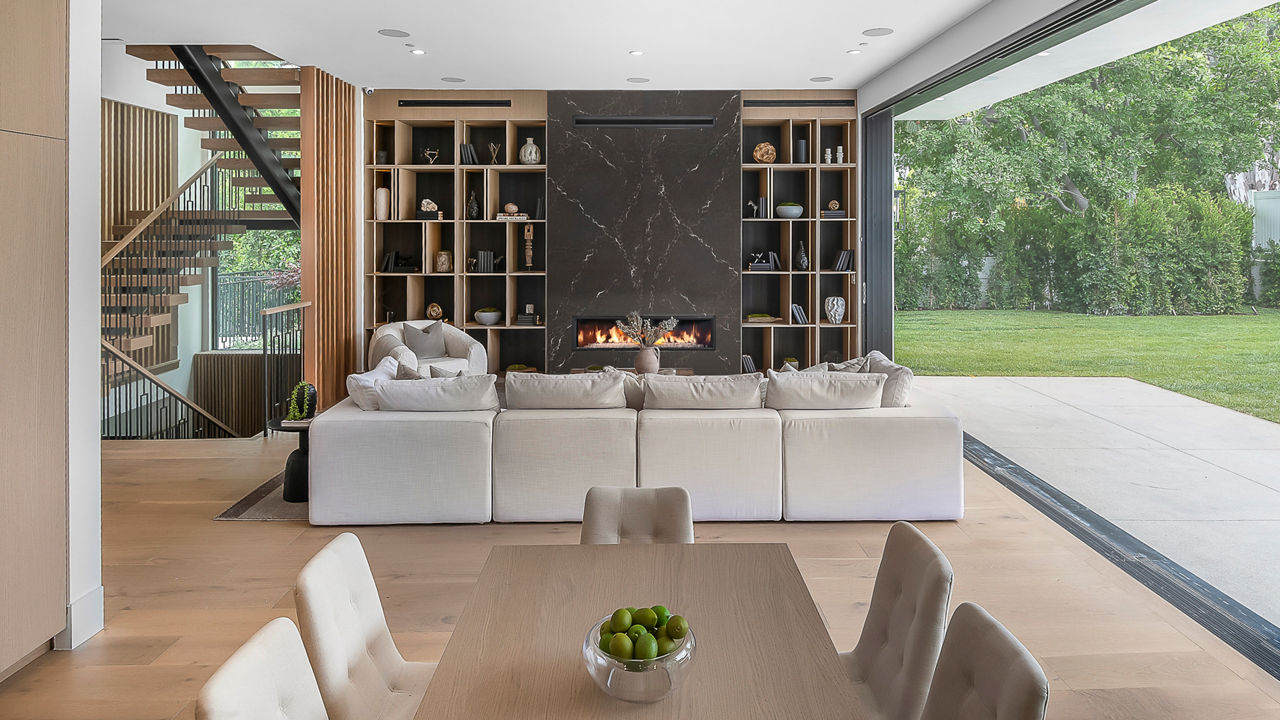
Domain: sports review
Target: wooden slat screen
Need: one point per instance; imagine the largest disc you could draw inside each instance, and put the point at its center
(139, 170)
(228, 384)
(329, 232)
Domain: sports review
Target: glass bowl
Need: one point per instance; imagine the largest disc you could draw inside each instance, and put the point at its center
(638, 681)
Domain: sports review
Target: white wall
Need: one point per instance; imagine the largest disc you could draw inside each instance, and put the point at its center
(84, 456)
(192, 337)
(985, 27)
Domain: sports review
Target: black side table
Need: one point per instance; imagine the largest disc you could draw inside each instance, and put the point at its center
(295, 468)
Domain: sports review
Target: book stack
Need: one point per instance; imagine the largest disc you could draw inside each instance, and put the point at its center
(748, 365)
(467, 154)
(797, 315)
(774, 262)
(512, 216)
(524, 319)
(484, 261)
(834, 214)
(760, 266)
(844, 261)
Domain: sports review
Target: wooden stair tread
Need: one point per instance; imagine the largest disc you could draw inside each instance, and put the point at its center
(271, 101)
(272, 122)
(244, 77)
(130, 343)
(189, 280)
(144, 300)
(275, 143)
(149, 320)
(161, 262)
(289, 163)
(254, 180)
(197, 214)
(122, 230)
(185, 246)
(156, 53)
(259, 198)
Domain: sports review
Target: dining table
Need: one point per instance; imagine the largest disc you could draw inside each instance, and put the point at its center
(762, 648)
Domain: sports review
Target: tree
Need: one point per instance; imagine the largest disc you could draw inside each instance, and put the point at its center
(1078, 153)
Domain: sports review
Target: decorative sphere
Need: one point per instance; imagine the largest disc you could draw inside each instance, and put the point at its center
(511, 208)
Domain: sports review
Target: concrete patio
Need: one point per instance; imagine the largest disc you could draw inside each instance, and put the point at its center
(1197, 482)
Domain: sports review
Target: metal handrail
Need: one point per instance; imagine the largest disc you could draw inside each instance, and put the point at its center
(133, 365)
(157, 212)
(286, 308)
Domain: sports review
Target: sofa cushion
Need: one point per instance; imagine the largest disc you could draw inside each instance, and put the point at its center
(427, 342)
(897, 388)
(458, 394)
(390, 345)
(702, 392)
(792, 367)
(588, 391)
(360, 386)
(632, 387)
(824, 391)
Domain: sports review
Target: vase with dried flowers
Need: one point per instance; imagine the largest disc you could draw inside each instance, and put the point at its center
(644, 332)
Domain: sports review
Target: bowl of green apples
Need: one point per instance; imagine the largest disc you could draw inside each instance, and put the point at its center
(639, 654)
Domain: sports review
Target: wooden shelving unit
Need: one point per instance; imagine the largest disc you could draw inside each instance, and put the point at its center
(402, 134)
(813, 184)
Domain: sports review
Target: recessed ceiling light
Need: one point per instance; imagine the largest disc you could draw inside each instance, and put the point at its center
(635, 52)
(392, 32)
(820, 78)
(1046, 53)
(852, 52)
(417, 51)
(863, 44)
(637, 80)
(878, 32)
(452, 79)
(944, 97)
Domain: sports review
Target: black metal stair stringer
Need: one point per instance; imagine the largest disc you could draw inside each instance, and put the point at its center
(239, 123)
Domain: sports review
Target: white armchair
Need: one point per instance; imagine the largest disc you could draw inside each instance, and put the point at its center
(462, 352)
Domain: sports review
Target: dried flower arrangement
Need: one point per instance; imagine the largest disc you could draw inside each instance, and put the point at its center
(644, 332)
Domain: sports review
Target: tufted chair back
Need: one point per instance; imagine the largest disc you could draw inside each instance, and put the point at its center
(360, 672)
(984, 673)
(899, 645)
(614, 515)
(268, 677)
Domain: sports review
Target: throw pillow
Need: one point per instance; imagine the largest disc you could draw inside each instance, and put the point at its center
(442, 373)
(702, 392)
(824, 391)
(427, 342)
(390, 345)
(792, 367)
(459, 394)
(532, 391)
(853, 366)
(897, 389)
(404, 372)
(360, 386)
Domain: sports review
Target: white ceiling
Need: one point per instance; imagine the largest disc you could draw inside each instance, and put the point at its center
(558, 44)
(1140, 30)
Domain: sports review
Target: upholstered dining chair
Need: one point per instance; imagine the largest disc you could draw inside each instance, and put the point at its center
(896, 653)
(984, 673)
(360, 672)
(268, 677)
(614, 515)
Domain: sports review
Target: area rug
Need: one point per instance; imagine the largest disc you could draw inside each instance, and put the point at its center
(266, 502)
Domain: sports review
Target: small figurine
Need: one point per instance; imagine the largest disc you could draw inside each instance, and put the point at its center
(511, 208)
(833, 205)
(528, 247)
(429, 205)
(494, 149)
(431, 154)
(755, 209)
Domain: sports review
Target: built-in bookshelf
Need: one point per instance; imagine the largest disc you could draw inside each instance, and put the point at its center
(415, 151)
(829, 240)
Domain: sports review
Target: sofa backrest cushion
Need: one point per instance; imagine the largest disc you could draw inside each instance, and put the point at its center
(897, 388)
(632, 387)
(702, 392)
(824, 391)
(457, 394)
(586, 391)
(360, 386)
(426, 342)
(792, 367)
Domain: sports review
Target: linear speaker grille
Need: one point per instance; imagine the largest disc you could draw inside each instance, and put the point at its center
(664, 122)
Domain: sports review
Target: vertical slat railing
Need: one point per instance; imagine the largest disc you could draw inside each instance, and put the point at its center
(137, 405)
(281, 357)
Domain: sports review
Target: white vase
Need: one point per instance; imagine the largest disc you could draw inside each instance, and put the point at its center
(382, 204)
(530, 154)
(647, 360)
(835, 309)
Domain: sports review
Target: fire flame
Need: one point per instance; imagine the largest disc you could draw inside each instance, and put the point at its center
(611, 336)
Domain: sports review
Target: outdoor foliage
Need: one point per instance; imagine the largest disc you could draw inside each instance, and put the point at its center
(262, 250)
(1103, 193)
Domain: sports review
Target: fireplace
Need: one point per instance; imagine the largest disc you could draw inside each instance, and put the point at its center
(690, 333)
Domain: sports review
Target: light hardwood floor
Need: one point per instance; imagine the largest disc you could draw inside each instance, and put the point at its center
(183, 591)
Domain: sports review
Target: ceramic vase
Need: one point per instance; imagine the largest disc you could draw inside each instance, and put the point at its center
(802, 257)
(647, 360)
(835, 309)
(530, 154)
(382, 204)
(473, 207)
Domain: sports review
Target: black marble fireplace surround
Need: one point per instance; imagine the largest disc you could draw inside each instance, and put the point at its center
(643, 219)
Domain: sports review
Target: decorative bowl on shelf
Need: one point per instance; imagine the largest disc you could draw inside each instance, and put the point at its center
(790, 212)
(488, 317)
(638, 681)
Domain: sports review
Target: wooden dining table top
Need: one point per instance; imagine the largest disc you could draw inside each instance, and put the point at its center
(762, 648)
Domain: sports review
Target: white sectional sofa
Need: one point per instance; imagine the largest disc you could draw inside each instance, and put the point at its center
(737, 459)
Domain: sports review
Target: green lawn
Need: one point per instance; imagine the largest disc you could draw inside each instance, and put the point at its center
(1229, 360)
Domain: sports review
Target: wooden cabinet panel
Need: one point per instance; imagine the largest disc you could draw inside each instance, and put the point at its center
(33, 403)
(33, 67)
